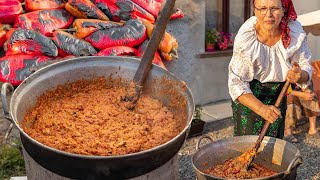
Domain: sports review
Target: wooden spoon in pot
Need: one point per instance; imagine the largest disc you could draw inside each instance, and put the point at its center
(266, 127)
(153, 45)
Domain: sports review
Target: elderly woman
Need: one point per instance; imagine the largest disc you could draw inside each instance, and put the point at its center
(270, 48)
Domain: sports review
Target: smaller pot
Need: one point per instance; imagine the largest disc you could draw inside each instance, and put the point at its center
(210, 47)
(196, 127)
(275, 154)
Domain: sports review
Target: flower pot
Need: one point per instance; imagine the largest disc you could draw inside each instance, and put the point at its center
(196, 127)
(210, 47)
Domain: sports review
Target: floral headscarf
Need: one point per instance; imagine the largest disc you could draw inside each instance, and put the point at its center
(289, 14)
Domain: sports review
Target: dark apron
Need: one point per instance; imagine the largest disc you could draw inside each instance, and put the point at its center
(247, 122)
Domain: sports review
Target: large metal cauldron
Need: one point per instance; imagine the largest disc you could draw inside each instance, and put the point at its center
(96, 167)
(275, 154)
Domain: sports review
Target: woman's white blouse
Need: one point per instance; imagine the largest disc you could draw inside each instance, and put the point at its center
(253, 60)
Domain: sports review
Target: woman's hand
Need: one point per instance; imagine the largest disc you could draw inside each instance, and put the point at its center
(295, 73)
(308, 96)
(269, 113)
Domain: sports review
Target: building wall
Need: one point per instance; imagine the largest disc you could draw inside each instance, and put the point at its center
(210, 78)
(206, 77)
(303, 7)
(190, 32)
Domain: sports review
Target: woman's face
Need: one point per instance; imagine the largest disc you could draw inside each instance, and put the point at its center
(269, 13)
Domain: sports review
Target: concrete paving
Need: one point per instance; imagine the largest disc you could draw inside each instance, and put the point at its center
(216, 111)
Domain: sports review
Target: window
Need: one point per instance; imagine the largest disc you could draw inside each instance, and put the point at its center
(226, 16)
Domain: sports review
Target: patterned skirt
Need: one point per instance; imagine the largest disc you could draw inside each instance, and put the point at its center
(247, 122)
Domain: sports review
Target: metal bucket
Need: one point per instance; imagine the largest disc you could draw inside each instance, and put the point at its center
(275, 154)
(97, 167)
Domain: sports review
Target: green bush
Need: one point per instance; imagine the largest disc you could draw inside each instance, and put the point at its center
(11, 162)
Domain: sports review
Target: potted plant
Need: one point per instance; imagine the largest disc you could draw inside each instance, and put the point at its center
(196, 124)
(210, 39)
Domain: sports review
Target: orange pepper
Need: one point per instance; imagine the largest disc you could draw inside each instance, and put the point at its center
(85, 27)
(85, 9)
(168, 45)
(156, 60)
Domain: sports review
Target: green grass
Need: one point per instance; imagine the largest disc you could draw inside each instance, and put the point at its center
(11, 162)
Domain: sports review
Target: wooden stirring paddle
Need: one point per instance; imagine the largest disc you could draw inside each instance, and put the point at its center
(266, 126)
(152, 46)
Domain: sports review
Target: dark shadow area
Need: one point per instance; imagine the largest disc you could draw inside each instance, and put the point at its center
(217, 125)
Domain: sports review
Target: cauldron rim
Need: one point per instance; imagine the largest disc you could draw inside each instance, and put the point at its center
(44, 69)
(279, 174)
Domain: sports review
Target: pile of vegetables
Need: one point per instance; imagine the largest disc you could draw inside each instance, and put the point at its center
(36, 31)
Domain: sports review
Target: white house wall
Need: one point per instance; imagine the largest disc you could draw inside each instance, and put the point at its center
(307, 6)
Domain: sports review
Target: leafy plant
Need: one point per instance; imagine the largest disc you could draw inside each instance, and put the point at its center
(211, 36)
(11, 162)
(197, 115)
(197, 112)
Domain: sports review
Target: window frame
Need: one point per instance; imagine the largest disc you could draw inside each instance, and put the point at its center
(226, 13)
(225, 27)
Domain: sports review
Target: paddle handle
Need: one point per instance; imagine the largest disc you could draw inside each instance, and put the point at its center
(267, 124)
(153, 44)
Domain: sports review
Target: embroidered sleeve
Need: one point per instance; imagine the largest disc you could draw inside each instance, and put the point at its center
(303, 57)
(241, 72)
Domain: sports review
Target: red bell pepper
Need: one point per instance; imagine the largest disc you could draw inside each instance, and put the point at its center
(3, 31)
(15, 68)
(168, 44)
(9, 10)
(154, 7)
(131, 34)
(118, 51)
(156, 60)
(70, 45)
(85, 27)
(178, 14)
(25, 41)
(2, 37)
(9, 33)
(85, 9)
(44, 21)
(34, 5)
(123, 10)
